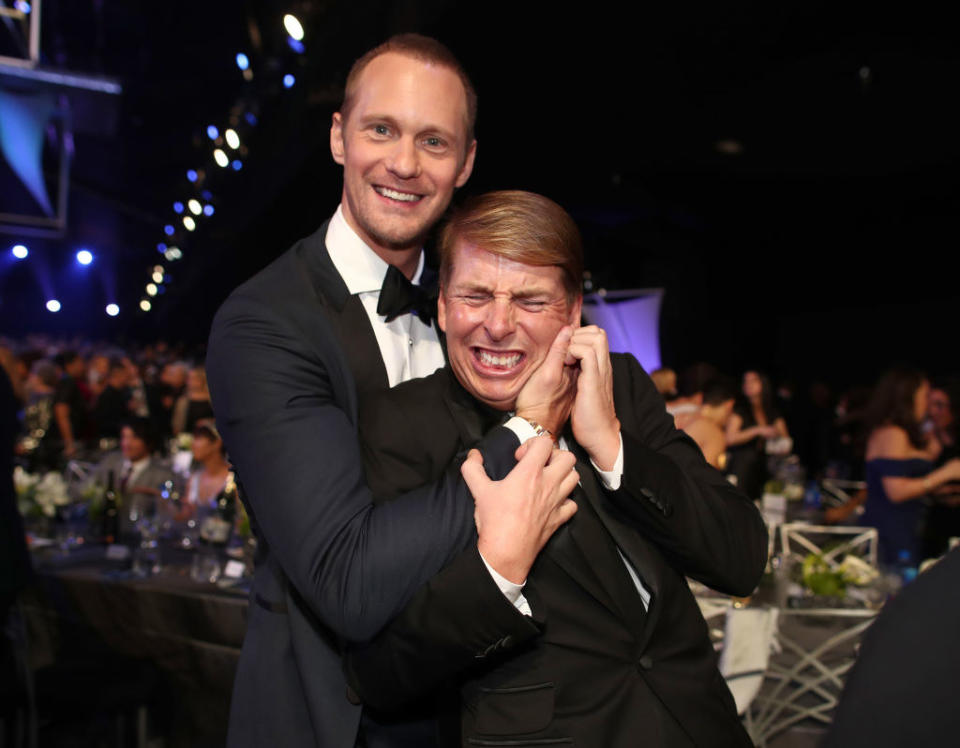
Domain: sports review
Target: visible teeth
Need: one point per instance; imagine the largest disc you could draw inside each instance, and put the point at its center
(394, 195)
(490, 360)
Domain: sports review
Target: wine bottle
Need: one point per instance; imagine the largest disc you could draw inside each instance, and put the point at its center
(111, 512)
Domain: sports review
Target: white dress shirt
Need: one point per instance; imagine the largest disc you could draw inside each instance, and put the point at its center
(409, 347)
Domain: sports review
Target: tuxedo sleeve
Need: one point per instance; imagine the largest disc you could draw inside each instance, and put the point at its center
(461, 617)
(704, 526)
(280, 393)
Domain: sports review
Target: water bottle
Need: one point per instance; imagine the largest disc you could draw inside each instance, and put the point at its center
(811, 497)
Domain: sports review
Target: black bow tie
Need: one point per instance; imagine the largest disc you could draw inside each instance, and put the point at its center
(399, 296)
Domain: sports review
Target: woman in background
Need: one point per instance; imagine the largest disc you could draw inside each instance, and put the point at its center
(943, 520)
(899, 464)
(754, 421)
(193, 405)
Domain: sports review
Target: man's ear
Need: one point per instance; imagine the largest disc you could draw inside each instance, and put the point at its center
(576, 309)
(336, 138)
(467, 169)
(442, 311)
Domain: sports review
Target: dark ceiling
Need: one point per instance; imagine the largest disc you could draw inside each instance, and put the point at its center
(822, 245)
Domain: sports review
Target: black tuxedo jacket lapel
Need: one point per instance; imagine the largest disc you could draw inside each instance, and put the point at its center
(347, 316)
(596, 566)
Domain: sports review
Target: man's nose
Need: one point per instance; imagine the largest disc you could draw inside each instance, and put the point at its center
(404, 159)
(500, 320)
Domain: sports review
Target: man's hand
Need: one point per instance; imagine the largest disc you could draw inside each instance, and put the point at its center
(547, 396)
(594, 417)
(517, 516)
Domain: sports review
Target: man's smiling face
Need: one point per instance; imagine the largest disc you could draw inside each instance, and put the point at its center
(403, 150)
(500, 318)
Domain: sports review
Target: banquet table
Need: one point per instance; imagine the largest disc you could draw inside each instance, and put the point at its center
(84, 604)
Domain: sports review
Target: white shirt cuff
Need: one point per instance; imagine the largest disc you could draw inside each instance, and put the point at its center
(611, 478)
(513, 592)
(521, 427)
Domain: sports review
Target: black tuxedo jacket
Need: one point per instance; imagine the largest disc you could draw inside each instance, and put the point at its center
(290, 354)
(592, 667)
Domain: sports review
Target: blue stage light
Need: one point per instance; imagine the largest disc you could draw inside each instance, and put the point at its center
(243, 62)
(289, 80)
(113, 310)
(168, 230)
(178, 207)
(19, 251)
(206, 194)
(251, 118)
(53, 306)
(161, 247)
(84, 257)
(237, 164)
(192, 175)
(208, 210)
(22, 5)
(296, 45)
(212, 132)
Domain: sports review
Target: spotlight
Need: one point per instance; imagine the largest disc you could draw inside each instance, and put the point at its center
(243, 62)
(168, 229)
(157, 277)
(151, 289)
(178, 207)
(208, 210)
(221, 158)
(189, 224)
(194, 206)
(145, 305)
(237, 164)
(113, 310)
(19, 251)
(233, 140)
(84, 257)
(53, 306)
(192, 175)
(293, 27)
(212, 132)
(289, 80)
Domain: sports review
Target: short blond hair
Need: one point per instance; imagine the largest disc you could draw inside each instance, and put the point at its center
(520, 226)
(421, 48)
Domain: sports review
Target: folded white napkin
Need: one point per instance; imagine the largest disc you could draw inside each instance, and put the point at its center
(747, 641)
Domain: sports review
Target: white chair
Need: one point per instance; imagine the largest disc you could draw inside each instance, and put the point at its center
(832, 543)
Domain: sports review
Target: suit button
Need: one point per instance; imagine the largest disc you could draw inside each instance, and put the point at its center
(645, 663)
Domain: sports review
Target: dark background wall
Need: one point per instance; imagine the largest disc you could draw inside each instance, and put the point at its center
(822, 249)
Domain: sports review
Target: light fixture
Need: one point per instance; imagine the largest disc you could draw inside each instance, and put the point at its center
(20, 251)
(188, 223)
(293, 27)
(233, 140)
(145, 305)
(113, 310)
(195, 206)
(53, 305)
(221, 158)
(84, 257)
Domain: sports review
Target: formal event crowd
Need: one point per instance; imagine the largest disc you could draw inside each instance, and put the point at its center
(472, 523)
(128, 409)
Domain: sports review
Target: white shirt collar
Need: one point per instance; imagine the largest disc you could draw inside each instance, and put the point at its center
(361, 268)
